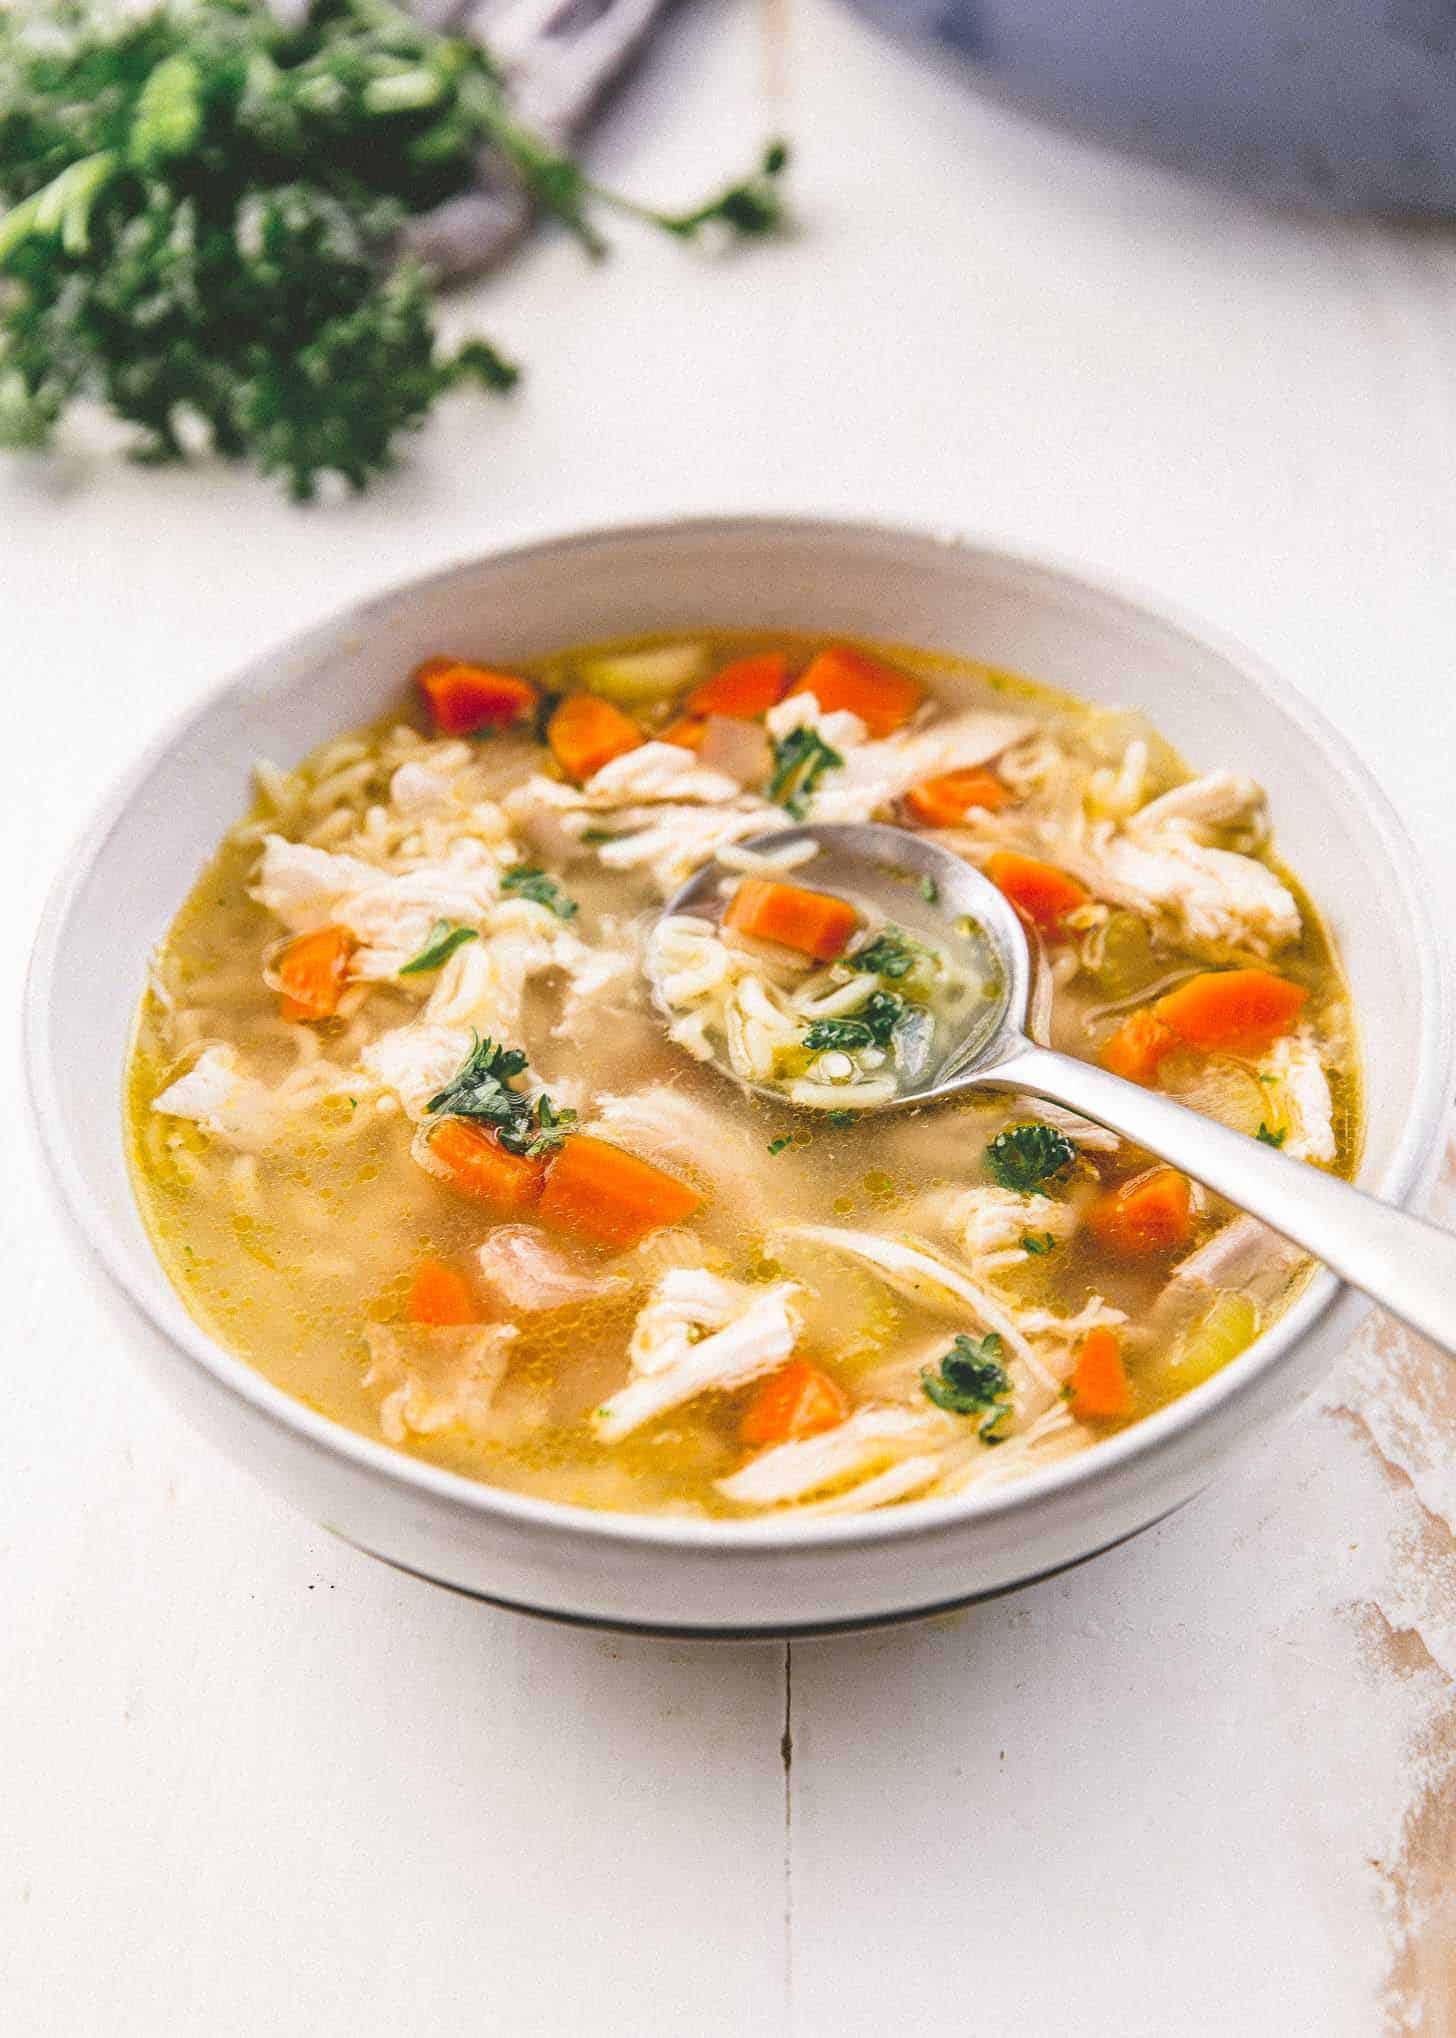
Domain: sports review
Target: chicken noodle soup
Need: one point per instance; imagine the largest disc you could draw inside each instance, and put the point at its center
(818, 996)
(414, 1135)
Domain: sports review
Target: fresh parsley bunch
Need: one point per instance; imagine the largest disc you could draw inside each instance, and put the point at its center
(204, 218)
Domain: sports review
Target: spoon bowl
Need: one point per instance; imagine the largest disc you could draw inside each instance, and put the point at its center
(1400, 1261)
(914, 883)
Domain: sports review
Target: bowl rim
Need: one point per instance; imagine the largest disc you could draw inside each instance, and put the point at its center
(784, 1534)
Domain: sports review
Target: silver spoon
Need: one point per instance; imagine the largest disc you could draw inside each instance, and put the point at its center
(1405, 1264)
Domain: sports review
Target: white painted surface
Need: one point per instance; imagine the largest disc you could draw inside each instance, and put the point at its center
(251, 1782)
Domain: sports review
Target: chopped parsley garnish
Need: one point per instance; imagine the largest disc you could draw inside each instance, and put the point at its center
(872, 1026)
(1023, 1157)
(481, 1090)
(891, 954)
(529, 881)
(970, 1380)
(1037, 1242)
(551, 1127)
(930, 891)
(598, 835)
(437, 951)
(1269, 1138)
(841, 1117)
(800, 760)
(782, 1143)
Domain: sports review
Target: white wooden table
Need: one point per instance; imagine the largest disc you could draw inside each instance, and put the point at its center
(251, 1782)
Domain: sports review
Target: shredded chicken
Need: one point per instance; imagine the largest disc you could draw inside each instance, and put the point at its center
(1220, 901)
(1302, 1092)
(991, 1225)
(1218, 800)
(931, 1281)
(530, 1273)
(875, 775)
(241, 1110)
(699, 1332)
(1245, 1256)
(676, 1131)
(414, 1062)
(864, 1444)
(431, 1378)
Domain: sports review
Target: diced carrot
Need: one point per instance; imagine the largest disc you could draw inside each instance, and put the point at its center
(687, 732)
(1151, 1213)
(747, 687)
(463, 698)
(605, 1194)
(942, 802)
(312, 972)
(1040, 892)
(1239, 1011)
(472, 1161)
(587, 732)
(439, 1295)
(814, 923)
(842, 677)
(1137, 1048)
(1098, 1387)
(797, 1401)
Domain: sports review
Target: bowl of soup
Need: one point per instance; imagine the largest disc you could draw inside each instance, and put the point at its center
(551, 1245)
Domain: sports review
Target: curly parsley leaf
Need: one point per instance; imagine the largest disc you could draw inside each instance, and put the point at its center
(800, 760)
(872, 1026)
(969, 1379)
(552, 1126)
(204, 214)
(442, 944)
(480, 1089)
(892, 954)
(529, 881)
(1024, 1157)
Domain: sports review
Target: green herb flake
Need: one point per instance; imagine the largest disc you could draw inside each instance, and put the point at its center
(1268, 1138)
(970, 1380)
(481, 1089)
(930, 891)
(891, 954)
(872, 1026)
(1037, 1243)
(841, 1118)
(780, 1145)
(1024, 1157)
(594, 836)
(800, 760)
(529, 881)
(442, 944)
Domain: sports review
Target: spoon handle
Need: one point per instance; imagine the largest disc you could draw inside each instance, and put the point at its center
(1405, 1264)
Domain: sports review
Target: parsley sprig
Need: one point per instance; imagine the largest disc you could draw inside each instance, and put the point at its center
(892, 954)
(481, 1089)
(1026, 1157)
(202, 215)
(800, 760)
(872, 1026)
(969, 1379)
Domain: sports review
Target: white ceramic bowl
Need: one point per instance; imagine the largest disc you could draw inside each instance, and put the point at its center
(122, 885)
